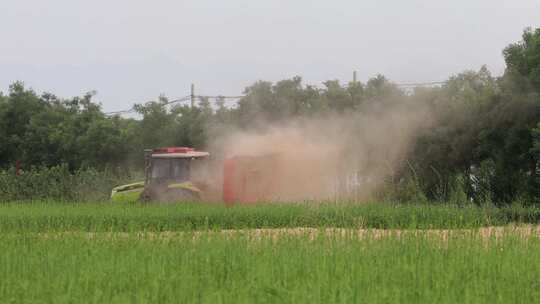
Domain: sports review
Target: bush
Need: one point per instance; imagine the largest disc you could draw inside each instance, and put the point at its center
(59, 183)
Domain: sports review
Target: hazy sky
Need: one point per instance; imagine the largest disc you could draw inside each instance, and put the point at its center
(132, 51)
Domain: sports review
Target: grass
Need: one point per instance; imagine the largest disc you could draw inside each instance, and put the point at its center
(217, 269)
(104, 253)
(51, 216)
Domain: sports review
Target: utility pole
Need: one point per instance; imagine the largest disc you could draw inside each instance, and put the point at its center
(192, 95)
(353, 97)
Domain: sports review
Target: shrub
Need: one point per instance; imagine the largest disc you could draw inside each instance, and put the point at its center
(59, 183)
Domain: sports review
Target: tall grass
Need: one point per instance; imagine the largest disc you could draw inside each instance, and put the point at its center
(53, 216)
(218, 269)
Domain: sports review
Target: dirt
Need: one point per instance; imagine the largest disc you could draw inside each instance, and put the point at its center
(485, 233)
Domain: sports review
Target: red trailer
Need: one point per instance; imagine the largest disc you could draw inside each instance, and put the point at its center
(249, 179)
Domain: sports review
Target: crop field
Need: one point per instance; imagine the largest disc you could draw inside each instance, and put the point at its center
(47, 216)
(273, 253)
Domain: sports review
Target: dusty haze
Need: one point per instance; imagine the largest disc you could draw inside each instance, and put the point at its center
(326, 158)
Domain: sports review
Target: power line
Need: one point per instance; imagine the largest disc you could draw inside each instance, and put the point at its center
(132, 109)
(192, 96)
(420, 84)
(221, 97)
(183, 99)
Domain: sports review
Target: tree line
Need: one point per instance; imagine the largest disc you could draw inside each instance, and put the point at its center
(485, 145)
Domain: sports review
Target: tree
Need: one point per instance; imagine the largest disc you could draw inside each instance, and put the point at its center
(17, 110)
(523, 60)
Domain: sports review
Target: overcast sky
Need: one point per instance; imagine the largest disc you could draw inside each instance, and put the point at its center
(132, 51)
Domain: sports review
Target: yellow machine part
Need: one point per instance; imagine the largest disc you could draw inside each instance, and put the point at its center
(185, 185)
(132, 192)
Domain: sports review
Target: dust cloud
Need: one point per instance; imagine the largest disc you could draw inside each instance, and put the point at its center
(331, 157)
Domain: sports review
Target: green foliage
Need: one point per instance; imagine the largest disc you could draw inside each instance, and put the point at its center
(522, 59)
(59, 183)
(486, 131)
(484, 146)
(46, 131)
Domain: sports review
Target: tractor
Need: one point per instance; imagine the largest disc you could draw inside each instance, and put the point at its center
(168, 177)
(180, 174)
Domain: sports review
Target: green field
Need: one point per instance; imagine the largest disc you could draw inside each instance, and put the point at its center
(49, 216)
(102, 253)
